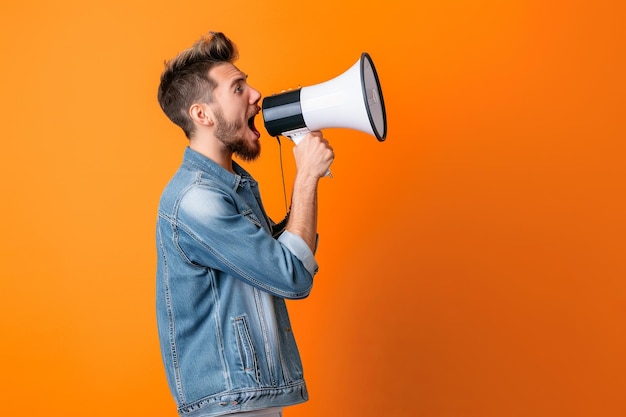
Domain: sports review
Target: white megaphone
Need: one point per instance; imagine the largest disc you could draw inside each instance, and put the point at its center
(353, 100)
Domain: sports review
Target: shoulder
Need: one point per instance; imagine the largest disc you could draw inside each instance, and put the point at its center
(204, 198)
(193, 192)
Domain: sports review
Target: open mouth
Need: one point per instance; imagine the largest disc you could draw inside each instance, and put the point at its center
(252, 126)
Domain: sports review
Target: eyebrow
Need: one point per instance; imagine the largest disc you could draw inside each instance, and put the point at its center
(242, 77)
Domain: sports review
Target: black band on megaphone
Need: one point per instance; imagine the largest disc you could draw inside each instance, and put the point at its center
(283, 113)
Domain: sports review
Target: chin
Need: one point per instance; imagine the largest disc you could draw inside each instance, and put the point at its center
(251, 152)
(248, 157)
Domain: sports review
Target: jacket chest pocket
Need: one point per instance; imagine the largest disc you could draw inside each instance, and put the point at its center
(249, 214)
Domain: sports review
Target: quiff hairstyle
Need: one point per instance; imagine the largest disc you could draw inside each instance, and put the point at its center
(185, 79)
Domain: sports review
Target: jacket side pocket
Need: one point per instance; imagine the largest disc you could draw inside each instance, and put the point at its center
(246, 348)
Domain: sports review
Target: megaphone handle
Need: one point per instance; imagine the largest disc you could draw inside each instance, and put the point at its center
(296, 138)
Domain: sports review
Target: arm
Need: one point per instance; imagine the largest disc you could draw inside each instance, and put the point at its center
(313, 158)
(210, 231)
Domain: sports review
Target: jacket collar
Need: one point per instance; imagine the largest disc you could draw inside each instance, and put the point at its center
(213, 169)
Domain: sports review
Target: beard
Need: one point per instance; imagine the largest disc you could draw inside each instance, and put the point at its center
(227, 133)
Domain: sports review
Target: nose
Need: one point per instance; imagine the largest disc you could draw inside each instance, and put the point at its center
(255, 95)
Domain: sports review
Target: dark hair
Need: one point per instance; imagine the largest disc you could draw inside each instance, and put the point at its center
(185, 79)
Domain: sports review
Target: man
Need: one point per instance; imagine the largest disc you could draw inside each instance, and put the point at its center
(224, 268)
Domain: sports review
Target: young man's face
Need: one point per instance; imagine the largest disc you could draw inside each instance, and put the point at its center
(235, 105)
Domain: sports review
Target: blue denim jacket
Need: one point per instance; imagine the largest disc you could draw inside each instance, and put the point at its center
(222, 278)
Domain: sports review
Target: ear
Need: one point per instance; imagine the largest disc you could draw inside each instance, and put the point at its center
(201, 113)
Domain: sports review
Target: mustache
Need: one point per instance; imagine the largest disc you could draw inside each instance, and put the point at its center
(256, 110)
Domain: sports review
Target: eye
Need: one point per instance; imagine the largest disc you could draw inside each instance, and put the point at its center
(239, 89)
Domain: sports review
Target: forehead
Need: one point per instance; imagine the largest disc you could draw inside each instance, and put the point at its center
(225, 73)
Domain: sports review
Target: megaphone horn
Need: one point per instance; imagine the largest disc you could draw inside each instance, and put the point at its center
(352, 100)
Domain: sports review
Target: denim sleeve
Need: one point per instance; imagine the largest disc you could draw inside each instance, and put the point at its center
(211, 232)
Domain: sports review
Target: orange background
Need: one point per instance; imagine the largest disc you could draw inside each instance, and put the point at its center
(471, 265)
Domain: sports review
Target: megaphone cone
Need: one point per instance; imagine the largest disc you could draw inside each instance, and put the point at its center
(352, 100)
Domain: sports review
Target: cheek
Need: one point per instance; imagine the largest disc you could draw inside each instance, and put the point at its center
(234, 111)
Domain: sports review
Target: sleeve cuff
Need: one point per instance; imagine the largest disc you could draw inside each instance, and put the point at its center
(300, 249)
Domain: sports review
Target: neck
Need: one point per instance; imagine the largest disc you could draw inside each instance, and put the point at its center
(215, 151)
